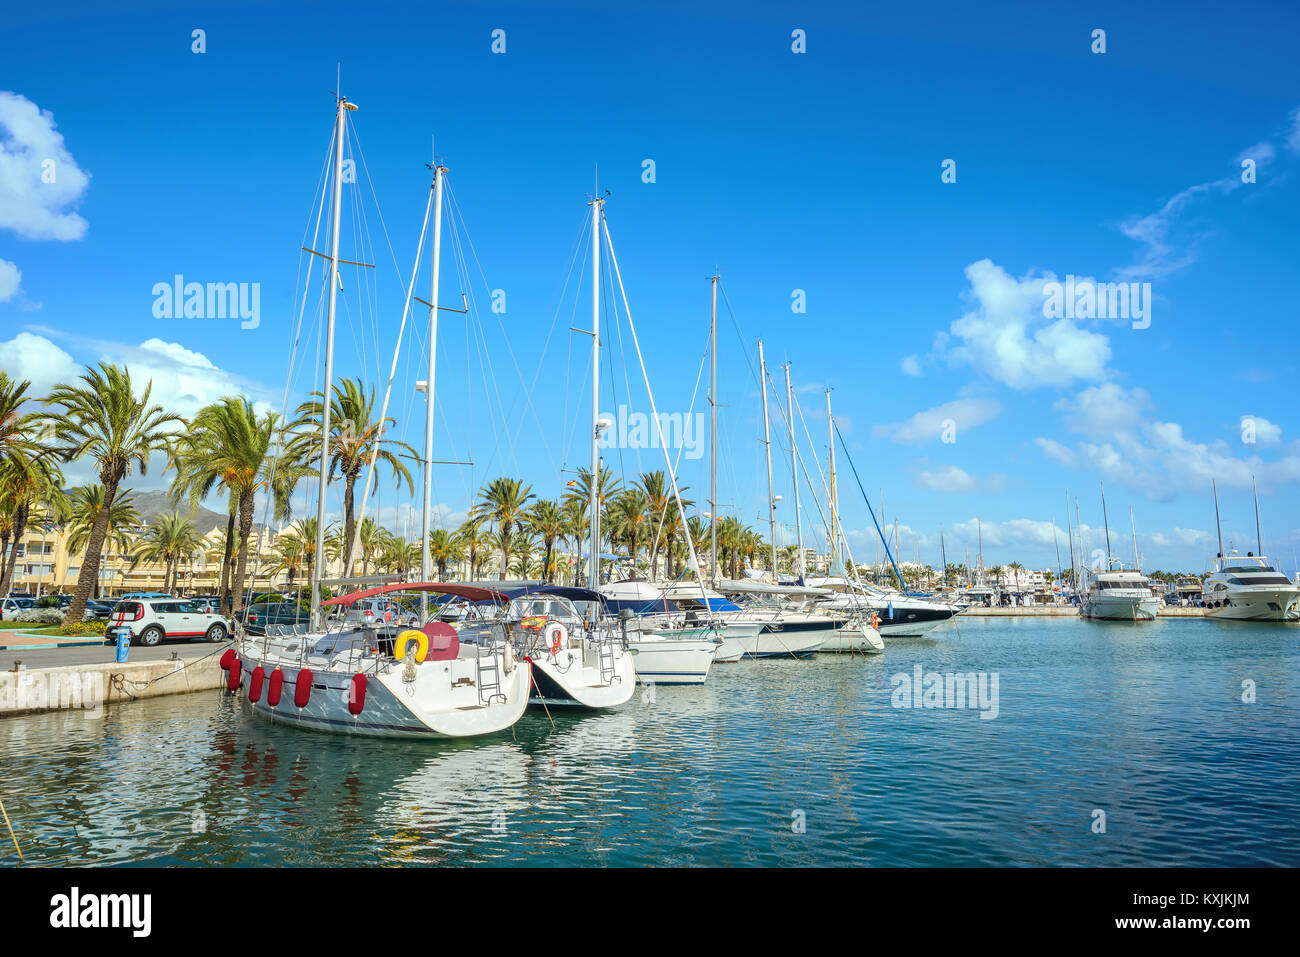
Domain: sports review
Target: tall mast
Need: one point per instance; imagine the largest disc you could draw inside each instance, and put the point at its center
(597, 208)
(943, 555)
(1259, 539)
(713, 434)
(426, 509)
(979, 554)
(767, 445)
(1105, 522)
(327, 386)
(794, 471)
(1056, 542)
(830, 430)
(1069, 528)
(1137, 561)
(1218, 525)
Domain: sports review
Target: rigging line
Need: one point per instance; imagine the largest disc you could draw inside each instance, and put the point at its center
(579, 251)
(609, 356)
(528, 398)
(383, 412)
(627, 384)
(695, 564)
(901, 583)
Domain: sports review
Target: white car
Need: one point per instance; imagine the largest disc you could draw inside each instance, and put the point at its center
(152, 620)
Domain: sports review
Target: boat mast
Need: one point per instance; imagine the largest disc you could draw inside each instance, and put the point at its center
(342, 108)
(1056, 542)
(426, 508)
(1137, 560)
(830, 430)
(713, 433)
(1217, 524)
(767, 445)
(943, 555)
(794, 471)
(597, 208)
(1259, 539)
(1105, 522)
(1069, 528)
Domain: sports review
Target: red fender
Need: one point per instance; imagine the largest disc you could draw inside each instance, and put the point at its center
(228, 659)
(275, 687)
(236, 669)
(255, 679)
(302, 688)
(357, 698)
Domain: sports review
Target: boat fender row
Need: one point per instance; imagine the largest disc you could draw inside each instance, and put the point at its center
(231, 663)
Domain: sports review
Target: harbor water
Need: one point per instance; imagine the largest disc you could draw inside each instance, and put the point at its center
(1175, 742)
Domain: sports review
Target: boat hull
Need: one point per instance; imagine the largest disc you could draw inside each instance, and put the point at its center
(672, 660)
(1252, 603)
(389, 710)
(860, 638)
(1121, 608)
(569, 679)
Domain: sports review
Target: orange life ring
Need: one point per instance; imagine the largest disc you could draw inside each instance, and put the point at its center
(557, 633)
(875, 620)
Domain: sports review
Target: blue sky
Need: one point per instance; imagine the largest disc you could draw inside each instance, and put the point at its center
(817, 171)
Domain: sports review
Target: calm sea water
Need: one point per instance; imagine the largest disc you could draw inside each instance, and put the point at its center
(770, 763)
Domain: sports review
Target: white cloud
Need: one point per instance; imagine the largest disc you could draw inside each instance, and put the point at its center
(183, 380)
(910, 366)
(1006, 336)
(10, 279)
(38, 360)
(1266, 433)
(1293, 135)
(39, 179)
(1101, 411)
(1015, 532)
(1058, 453)
(950, 478)
(930, 423)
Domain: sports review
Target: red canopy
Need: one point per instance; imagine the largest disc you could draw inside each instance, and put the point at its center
(472, 592)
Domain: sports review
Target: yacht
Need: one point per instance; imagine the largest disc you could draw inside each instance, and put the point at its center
(893, 614)
(658, 608)
(1119, 595)
(1248, 588)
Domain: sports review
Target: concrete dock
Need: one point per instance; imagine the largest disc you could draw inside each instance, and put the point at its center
(1066, 611)
(89, 679)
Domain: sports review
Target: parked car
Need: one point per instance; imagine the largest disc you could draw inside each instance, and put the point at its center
(153, 620)
(97, 608)
(206, 603)
(145, 594)
(256, 618)
(13, 604)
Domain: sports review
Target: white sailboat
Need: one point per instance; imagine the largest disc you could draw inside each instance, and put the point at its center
(374, 677)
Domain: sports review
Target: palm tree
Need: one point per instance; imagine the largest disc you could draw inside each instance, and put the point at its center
(168, 541)
(547, 520)
(300, 537)
(102, 420)
(85, 506)
(629, 520)
(354, 436)
(474, 540)
(503, 503)
(444, 548)
(26, 480)
(18, 430)
(579, 490)
(574, 513)
(228, 446)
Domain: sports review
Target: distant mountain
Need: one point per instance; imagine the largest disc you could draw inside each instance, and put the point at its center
(152, 504)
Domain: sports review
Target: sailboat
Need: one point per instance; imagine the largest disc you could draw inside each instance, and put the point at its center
(380, 677)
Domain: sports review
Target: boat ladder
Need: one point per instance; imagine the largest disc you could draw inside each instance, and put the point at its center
(605, 657)
(488, 677)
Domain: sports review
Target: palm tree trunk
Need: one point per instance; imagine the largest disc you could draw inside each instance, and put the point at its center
(245, 527)
(225, 563)
(349, 523)
(88, 577)
(20, 528)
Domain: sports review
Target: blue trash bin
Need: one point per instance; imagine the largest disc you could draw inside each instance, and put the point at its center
(123, 644)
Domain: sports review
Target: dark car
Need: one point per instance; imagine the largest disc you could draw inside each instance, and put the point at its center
(257, 618)
(100, 609)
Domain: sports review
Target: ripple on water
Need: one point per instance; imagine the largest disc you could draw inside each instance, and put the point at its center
(1145, 724)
